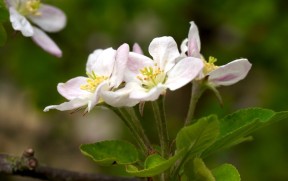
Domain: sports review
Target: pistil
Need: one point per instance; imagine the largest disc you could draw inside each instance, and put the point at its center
(30, 7)
(209, 66)
(151, 76)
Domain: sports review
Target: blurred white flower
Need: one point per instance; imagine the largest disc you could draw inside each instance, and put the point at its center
(46, 17)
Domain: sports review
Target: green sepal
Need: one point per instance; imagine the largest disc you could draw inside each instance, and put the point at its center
(216, 92)
(111, 152)
(226, 172)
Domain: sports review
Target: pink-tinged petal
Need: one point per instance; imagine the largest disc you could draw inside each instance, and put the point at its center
(184, 49)
(45, 42)
(120, 98)
(73, 104)
(71, 89)
(137, 48)
(120, 65)
(164, 51)
(20, 23)
(141, 94)
(92, 58)
(193, 41)
(230, 73)
(104, 63)
(183, 72)
(135, 63)
(50, 19)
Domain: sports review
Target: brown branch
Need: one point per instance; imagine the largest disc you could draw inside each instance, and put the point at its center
(27, 166)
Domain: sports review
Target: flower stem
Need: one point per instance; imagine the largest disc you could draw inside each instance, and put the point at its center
(197, 90)
(160, 117)
(128, 121)
(139, 127)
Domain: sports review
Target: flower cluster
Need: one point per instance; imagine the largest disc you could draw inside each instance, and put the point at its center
(47, 18)
(123, 78)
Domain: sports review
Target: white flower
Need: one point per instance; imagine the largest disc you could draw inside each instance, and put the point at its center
(149, 78)
(105, 70)
(223, 75)
(46, 17)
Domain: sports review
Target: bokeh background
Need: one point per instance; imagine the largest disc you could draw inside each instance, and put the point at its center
(229, 29)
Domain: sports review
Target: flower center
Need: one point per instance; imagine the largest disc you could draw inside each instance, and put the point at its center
(209, 66)
(93, 82)
(30, 7)
(151, 76)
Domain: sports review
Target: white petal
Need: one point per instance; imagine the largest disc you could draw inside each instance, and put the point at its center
(164, 51)
(104, 62)
(135, 63)
(230, 73)
(50, 19)
(92, 58)
(137, 48)
(71, 89)
(183, 72)
(184, 46)
(96, 96)
(73, 104)
(20, 23)
(193, 40)
(184, 49)
(120, 97)
(120, 65)
(45, 42)
(142, 94)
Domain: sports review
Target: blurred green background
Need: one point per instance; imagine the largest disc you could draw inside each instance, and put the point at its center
(229, 29)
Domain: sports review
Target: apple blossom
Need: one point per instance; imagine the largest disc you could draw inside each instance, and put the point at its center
(46, 17)
(105, 70)
(151, 77)
(223, 75)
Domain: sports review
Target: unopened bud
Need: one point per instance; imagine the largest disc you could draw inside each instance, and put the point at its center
(28, 152)
(32, 163)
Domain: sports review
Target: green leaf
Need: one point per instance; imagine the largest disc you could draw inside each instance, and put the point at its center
(198, 136)
(3, 12)
(153, 160)
(196, 170)
(3, 35)
(235, 127)
(154, 165)
(112, 152)
(226, 172)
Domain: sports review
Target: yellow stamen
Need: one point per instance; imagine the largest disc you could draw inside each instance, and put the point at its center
(30, 7)
(151, 76)
(93, 82)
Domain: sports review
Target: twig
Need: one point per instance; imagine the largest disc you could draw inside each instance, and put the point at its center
(27, 166)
